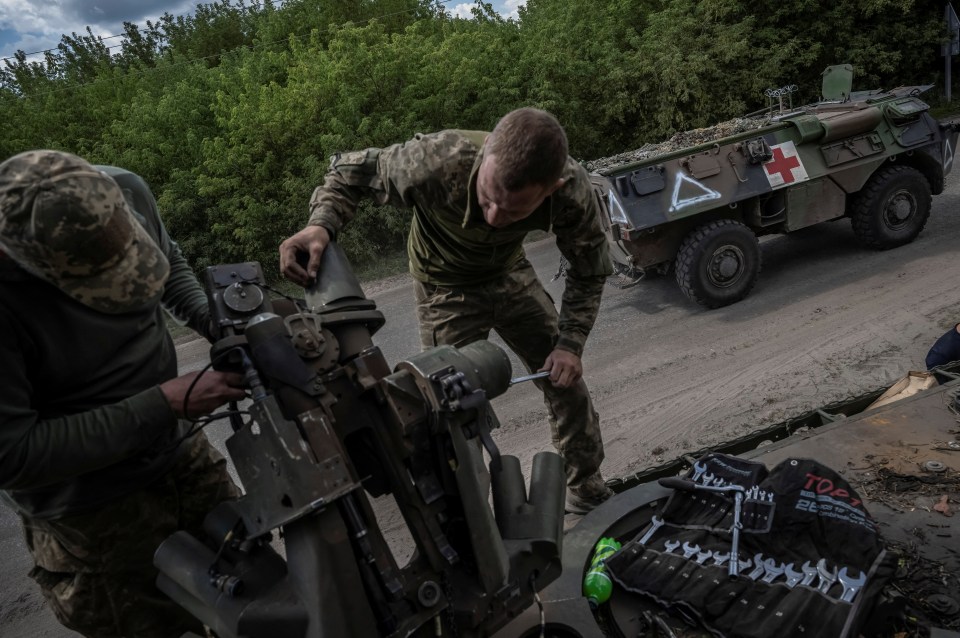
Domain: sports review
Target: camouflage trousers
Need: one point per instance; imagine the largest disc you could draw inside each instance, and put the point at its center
(522, 313)
(96, 569)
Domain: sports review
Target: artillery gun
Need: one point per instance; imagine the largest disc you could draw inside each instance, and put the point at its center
(699, 202)
(331, 425)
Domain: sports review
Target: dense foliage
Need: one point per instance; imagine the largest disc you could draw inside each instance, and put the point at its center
(231, 113)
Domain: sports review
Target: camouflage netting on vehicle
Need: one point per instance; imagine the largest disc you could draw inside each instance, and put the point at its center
(684, 139)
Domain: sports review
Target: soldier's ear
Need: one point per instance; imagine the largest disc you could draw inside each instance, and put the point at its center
(556, 186)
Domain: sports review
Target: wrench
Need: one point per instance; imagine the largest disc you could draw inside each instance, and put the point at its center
(793, 576)
(670, 546)
(529, 377)
(698, 470)
(827, 577)
(743, 565)
(689, 550)
(703, 556)
(738, 492)
(809, 573)
(655, 524)
(707, 478)
(850, 585)
(758, 567)
(719, 559)
(772, 570)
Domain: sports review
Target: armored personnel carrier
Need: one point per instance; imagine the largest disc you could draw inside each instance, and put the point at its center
(699, 202)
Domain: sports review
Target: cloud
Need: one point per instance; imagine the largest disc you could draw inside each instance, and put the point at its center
(510, 7)
(117, 11)
(506, 8)
(463, 10)
(35, 25)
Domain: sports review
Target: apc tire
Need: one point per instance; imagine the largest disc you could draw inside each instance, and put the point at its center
(718, 263)
(892, 208)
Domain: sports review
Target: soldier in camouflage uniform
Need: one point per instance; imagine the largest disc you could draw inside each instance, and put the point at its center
(474, 197)
(91, 405)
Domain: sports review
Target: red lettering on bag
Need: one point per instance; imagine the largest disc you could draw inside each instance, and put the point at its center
(823, 485)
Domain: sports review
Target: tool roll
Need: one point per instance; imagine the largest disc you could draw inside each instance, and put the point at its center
(811, 561)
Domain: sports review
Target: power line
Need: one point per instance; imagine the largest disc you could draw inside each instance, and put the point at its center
(214, 55)
(12, 57)
(105, 37)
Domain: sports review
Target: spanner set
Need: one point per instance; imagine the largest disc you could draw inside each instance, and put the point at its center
(816, 575)
(752, 552)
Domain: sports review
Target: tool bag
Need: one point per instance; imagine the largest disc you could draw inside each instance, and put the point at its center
(792, 518)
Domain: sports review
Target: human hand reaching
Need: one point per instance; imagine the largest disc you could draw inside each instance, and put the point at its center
(564, 366)
(211, 390)
(310, 241)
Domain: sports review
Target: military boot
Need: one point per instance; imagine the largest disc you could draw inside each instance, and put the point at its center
(586, 496)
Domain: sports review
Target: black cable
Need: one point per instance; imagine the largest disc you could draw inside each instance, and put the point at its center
(186, 397)
(230, 585)
(201, 422)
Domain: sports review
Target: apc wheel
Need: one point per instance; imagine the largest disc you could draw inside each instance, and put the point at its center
(892, 208)
(718, 263)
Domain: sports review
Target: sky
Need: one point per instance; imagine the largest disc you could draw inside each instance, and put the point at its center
(36, 25)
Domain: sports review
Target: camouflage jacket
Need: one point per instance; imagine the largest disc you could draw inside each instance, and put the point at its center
(449, 243)
(82, 419)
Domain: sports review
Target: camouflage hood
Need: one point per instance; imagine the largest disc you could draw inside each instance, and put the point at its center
(69, 224)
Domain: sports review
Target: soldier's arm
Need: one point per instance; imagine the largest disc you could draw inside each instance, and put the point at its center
(582, 242)
(946, 349)
(35, 452)
(183, 296)
(398, 175)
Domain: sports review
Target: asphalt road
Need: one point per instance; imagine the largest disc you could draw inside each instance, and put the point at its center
(827, 321)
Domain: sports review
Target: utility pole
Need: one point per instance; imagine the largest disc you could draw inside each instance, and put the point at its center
(951, 48)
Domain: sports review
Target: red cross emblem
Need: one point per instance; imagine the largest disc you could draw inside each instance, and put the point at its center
(785, 167)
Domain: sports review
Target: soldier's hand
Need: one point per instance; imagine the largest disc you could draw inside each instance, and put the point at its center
(310, 241)
(210, 391)
(565, 368)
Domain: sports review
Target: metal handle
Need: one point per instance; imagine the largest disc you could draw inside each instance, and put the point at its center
(530, 377)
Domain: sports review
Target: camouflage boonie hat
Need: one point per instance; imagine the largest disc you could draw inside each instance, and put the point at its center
(69, 224)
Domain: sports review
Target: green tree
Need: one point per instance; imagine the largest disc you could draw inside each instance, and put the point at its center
(585, 67)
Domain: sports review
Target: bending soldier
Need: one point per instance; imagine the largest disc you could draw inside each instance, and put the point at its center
(92, 450)
(475, 196)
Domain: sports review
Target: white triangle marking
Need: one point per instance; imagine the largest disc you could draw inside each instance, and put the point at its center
(677, 204)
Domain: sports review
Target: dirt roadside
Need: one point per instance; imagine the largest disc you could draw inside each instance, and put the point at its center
(827, 321)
